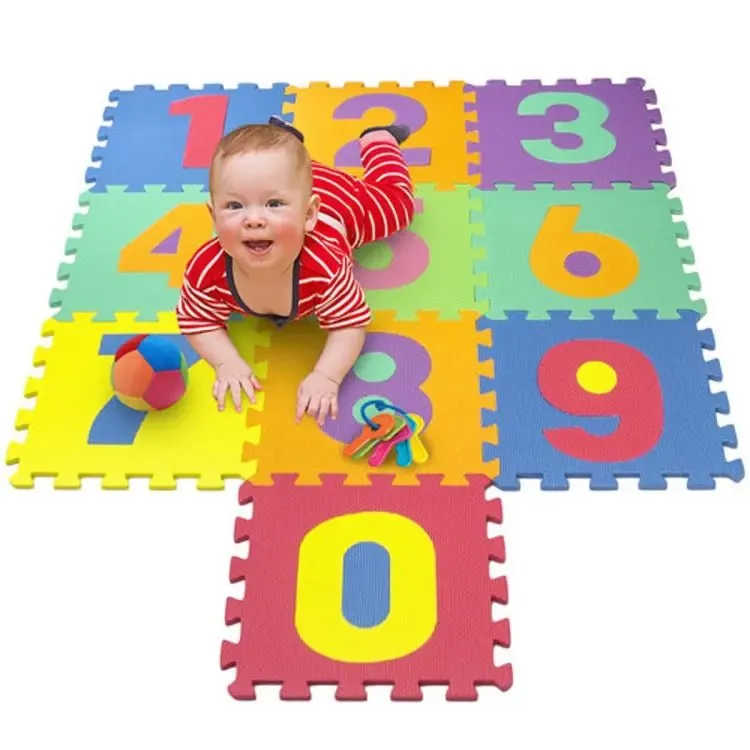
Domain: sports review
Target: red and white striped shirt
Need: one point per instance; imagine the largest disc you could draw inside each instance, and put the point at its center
(352, 212)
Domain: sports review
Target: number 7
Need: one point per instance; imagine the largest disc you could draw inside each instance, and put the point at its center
(117, 424)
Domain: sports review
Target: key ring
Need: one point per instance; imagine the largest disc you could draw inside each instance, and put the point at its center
(380, 405)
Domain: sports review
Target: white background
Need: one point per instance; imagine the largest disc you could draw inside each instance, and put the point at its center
(628, 610)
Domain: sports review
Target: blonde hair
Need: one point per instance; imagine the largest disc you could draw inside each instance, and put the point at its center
(261, 137)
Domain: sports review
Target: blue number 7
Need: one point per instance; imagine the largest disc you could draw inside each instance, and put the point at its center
(117, 424)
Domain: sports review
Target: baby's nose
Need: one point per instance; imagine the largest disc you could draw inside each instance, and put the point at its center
(254, 217)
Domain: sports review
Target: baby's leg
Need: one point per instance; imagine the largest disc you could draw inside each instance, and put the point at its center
(385, 192)
(399, 132)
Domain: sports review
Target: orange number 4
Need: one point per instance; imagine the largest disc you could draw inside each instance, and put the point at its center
(167, 245)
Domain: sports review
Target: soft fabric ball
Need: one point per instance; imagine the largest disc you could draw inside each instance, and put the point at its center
(149, 373)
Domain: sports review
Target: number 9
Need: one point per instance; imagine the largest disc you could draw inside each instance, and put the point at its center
(599, 378)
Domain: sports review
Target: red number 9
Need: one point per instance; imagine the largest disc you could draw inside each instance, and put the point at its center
(597, 378)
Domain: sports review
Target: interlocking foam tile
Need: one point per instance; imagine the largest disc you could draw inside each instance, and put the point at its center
(599, 132)
(376, 585)
(428, 366)
(166, 136)
(582, 249)
(333, 117)
(132, 252)
(606, 398)
(78, 429)
(430, 265)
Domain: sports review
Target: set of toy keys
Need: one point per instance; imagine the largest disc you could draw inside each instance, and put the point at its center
(391, 429)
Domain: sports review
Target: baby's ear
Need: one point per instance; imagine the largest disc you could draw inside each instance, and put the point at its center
(313, 206)
(210, 208)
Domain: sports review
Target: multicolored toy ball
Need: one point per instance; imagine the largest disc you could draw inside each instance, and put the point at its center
(149, 373)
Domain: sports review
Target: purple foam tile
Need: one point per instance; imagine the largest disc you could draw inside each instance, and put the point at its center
(599, 133)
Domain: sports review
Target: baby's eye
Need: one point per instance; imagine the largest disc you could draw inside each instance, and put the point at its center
(233, 206)
(275, 203)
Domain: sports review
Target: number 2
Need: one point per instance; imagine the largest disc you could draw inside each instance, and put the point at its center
(117, 424)
(405, 110)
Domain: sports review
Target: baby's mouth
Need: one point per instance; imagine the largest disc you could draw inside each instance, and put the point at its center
(257, 246)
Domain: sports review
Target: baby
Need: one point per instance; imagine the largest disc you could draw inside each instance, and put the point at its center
(286, 227)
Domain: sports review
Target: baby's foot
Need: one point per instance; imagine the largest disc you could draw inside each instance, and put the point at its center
(279, 123)
(399, 132)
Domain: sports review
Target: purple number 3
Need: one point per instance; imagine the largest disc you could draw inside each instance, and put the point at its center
(405, 110)
(402, 388)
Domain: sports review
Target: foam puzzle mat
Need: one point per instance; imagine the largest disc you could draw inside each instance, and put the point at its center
(539, 314)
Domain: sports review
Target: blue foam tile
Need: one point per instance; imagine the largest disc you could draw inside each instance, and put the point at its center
(605, 398)
(165, 136)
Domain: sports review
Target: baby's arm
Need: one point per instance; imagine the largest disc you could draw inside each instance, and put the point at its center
(202, 321)
(340, 352)
(343, 313)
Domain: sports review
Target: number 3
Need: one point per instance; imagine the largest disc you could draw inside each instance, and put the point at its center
(596, 141)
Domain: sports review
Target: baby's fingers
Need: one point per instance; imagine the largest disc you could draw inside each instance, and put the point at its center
(247, 386)
(302, 401)
(323, 410)
(220, 393)
(236, 395)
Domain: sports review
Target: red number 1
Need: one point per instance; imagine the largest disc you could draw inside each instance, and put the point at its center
(207, 115)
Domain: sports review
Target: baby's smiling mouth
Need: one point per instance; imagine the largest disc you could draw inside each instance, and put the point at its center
(257, 246)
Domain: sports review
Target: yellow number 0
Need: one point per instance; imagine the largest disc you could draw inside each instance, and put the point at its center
(413, 588)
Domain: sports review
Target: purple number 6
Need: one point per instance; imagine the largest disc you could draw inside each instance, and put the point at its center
(405, 110)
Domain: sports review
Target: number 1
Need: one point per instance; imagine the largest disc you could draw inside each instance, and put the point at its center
(207, 115)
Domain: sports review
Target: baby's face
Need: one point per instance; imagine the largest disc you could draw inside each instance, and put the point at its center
(262, 208)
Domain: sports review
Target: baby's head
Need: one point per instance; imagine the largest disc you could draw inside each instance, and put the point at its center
(262, 203)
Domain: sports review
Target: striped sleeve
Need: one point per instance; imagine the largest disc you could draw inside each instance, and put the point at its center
(376, 206)
(343, 304)
(198, 310)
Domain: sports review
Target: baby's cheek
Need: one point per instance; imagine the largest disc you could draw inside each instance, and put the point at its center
(288, 231)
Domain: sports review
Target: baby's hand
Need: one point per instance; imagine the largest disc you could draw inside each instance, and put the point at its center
(317, 394)
(237, 377)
